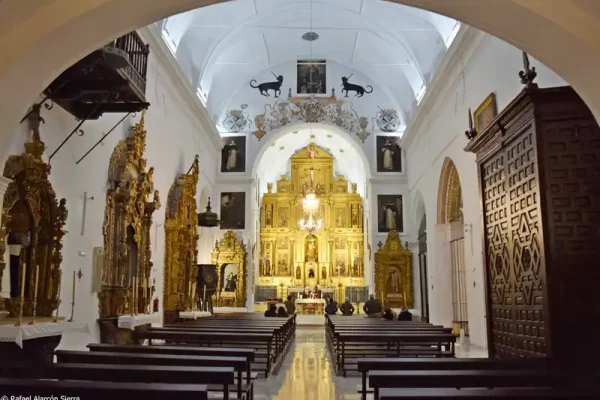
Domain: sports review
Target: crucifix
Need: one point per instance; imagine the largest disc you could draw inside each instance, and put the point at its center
(311, 170)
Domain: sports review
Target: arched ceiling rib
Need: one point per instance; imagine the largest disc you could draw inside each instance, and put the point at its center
(395, 46)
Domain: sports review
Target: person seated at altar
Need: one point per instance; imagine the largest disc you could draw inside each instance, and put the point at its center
(307, 293)
(347, 308)
(280, 305)
(272, 311)
(373, 307)
(388, 314)
(316, 293)
(332, 307)
(281, 312)
(290, 306)
(405, 315)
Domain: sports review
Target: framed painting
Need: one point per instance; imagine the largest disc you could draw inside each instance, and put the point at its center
(233, 154)
(389, 154)
(485, 113)
(311, 77)
(233, 210)
(390, 213)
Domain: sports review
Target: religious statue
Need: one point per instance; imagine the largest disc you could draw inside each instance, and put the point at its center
(270, 187)
(268, 216)
(393, 282)
(311, 273)
(283, 220)
(232, 154)
(311, 248)
(356, 267)
(319, 189)
(354, 187)
(305, 189)
(339, 219)
(355, 215)
(282, 265)
(231, 284)
(379, 245)
(298, 273)
(312, 152)
(324, 273)
(34, 119)
(267, 267)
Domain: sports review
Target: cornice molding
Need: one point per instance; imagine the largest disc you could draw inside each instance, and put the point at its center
(151, 35)
(467, 42)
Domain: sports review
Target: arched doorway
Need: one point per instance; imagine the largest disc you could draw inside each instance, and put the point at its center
(422, 238)
(450, 214)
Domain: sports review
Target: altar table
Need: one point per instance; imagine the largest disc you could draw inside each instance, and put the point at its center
(319, 304)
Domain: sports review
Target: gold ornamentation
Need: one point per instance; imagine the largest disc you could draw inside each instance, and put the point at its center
(181, 242)
(393, 272)
(449, 194)
(32, 215)
(230, 250)
(127, 223)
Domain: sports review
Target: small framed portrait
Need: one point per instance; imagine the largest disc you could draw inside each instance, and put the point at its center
(233, 154)
(485, 113)
(311, 77)
(389, 154)
(233, 210)
(389, 213)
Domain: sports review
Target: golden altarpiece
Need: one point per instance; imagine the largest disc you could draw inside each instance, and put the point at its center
(231, 258)
(393, 273)
(130, 202)
(32, 229)
(181, 245)
(332, 256)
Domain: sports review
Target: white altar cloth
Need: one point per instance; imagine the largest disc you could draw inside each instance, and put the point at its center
(311, 301)
(193, 314)
(227, 310)
(17, 334)
(132, 321)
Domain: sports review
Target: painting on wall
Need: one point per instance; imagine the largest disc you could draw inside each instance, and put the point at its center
(389, 154)
(233, 154)
(485, 113)
(233, 210)
(389, 213)
(311, 77)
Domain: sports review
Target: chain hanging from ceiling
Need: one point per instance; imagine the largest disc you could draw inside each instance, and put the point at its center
(312, 109)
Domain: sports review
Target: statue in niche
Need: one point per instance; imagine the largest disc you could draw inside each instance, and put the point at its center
(356, 267)
(311, 273)
(283, 220)
(324, 273)
(340, 244)
(319, 189)
(355, 215)
(282, 265)
(311, 248)
(298, 273)
(269, 187)
(354, 187)
(305, 189)
(339, 219)
(267, 267)
(393, 282)
(269, 216)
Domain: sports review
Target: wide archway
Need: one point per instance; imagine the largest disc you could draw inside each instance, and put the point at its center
(55, 34)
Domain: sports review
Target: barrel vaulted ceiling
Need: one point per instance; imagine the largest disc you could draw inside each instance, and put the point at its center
(222, 47)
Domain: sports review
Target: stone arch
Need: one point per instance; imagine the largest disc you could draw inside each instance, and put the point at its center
(449, 206)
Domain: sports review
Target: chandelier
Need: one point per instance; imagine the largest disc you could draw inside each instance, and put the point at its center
(310, 205)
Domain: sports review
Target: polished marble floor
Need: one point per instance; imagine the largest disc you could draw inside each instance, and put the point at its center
(307, 372)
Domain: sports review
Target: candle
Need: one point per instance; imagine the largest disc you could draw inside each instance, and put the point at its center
(59, 284)
(37, 280)
(23, 268)
(73, 294)
(204, 297)
(133, 296)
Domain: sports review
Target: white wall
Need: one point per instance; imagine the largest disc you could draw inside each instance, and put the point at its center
(489, 65)
(175, 134)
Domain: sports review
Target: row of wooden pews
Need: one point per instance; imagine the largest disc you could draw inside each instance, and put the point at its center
(351, 338)
(214, 355)
(471, 378)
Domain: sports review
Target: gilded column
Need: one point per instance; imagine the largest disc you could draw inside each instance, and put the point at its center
(4, 280)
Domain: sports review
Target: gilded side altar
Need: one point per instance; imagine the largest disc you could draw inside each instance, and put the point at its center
(332, 256)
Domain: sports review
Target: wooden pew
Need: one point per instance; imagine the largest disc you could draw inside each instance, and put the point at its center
(463, 379)
(248, 354)
(87, 357)
(366, 365)
(211, 338)
(488, 394)
(101, 390)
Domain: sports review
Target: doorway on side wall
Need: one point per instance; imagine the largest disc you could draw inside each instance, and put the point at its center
(423, 270)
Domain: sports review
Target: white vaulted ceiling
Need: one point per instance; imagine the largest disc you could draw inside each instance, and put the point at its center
(223, 47)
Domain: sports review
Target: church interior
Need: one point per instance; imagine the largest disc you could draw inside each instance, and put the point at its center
(307, 199)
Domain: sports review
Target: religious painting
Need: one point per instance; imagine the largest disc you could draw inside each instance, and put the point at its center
(233, 154)
(311, 77)
(229, 277)
(233, 210)
(390, 213)
(485, 113)
(389, 154)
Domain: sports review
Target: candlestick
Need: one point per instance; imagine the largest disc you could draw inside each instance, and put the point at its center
(58, 294)
(145, 295)
(73, 299)
(134, 297)
(35, 291)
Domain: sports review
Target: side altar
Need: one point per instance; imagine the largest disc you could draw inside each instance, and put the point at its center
(331, 255)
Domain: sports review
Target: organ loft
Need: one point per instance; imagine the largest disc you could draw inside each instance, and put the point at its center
(331, 255)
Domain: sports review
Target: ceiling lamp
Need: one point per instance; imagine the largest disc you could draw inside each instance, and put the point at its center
(310, 36)
(208, 219)
(310, 205)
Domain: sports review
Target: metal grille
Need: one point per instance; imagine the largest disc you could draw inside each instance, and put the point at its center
(357, 294)
(459, 292)
(264, 293)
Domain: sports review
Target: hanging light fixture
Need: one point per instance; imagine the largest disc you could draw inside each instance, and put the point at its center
(310, 205)
(208, 219)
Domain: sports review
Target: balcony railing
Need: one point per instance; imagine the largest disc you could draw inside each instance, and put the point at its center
(138, 52)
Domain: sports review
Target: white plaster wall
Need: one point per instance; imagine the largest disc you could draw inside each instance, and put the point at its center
(492, 67)
(174, 136)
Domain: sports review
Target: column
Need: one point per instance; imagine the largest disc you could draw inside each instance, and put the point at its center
(413, 247)
(4, 275)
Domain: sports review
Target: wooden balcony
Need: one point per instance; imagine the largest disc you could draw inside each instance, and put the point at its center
(112, 79)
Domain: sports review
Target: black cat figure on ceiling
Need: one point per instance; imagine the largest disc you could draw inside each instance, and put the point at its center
(347, 86)
(266, 86)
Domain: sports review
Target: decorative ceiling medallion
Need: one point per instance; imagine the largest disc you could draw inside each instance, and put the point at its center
(311, 109)
(387, 120)
(310, 36)
(236, 120)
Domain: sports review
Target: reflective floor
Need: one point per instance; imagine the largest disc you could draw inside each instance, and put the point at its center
(307, 372)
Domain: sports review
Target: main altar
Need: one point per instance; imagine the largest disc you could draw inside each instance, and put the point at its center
(327, 251)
